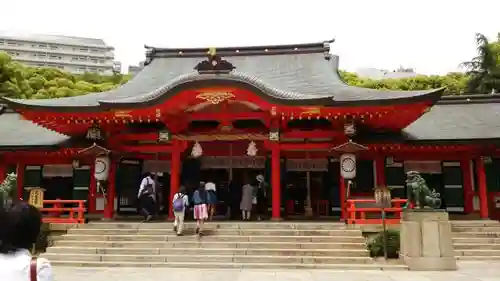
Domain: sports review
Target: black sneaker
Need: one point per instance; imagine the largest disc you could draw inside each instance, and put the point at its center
(197, 231)
(175, 228)
(179, 234)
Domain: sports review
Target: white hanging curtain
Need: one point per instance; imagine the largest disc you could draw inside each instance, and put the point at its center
(51, 171)
(156, 166)
(423, 167)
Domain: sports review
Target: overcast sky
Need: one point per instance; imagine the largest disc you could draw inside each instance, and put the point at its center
(432, 36)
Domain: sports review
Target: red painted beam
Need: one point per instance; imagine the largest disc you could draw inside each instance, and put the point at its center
(146, 148)
(221, 116)
(314, 134)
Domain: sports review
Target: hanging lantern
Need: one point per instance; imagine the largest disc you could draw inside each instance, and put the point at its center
(197, 150)
(252, 149)
(102, 165)
(348, 166)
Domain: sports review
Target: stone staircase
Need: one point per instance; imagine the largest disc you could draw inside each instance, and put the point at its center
(225, 245)
(476, 239)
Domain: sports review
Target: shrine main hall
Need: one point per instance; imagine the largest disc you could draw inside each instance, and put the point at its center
(283, 112)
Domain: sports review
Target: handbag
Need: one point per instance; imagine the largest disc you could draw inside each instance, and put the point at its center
(33, 269)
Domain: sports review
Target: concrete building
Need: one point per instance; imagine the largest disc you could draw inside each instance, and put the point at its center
(72, 54)
(134, 69)
(377, 74)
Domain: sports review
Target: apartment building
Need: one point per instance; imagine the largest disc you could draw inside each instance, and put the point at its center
(378, 74)
(72, 54)
(134, 69)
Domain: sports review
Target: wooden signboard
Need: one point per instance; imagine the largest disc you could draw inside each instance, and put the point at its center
(36, 197)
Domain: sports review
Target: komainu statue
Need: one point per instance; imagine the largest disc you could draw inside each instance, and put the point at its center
(419, 194)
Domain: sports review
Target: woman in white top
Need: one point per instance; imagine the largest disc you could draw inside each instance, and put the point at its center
(20, 225)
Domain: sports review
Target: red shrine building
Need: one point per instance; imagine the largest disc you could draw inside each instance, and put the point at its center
(283, 112)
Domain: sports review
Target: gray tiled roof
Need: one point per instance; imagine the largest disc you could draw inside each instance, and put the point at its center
(309, 75)
(57, 39)
(15, 131)
(462, 121)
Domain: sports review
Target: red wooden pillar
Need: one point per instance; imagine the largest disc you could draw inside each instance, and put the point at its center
(343, 198)
(92, 190)
(380, 170)
(465, 165)
(3, 171)
(483, 192)
(21, 167)
(276, 182)
(109, 209)
(175, 169)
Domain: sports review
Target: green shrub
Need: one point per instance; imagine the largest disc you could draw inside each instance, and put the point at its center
(376, 245)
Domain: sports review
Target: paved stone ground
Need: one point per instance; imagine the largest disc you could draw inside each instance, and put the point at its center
(469, 271)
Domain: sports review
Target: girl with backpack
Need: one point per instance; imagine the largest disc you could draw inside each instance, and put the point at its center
(200, 207)
(180, 202)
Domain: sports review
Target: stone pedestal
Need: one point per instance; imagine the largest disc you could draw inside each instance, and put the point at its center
(426, 240)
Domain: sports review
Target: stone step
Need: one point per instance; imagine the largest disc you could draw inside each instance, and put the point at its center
(476, 246)
(478, 252)
(210, 264)
(474, 223)
(204, 258)
(476, 235)
(478, 258)
(349, 243)
(227, 238)
(210, 251)
(220, 225)
(495, 229)
(243, 232)
(476, 240)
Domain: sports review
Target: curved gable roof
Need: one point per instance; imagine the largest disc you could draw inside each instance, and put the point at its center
(294, 74)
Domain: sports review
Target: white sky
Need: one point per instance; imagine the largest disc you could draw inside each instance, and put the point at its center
(432, 36)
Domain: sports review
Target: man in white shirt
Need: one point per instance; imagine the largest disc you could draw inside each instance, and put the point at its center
(147, 196)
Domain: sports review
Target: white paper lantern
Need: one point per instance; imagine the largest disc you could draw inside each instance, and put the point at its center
(252, 149)
(348, 166)
(197, 151)
(102, 165)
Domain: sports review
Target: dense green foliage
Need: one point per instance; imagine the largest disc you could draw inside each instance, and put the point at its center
(376, 245)
(455, 83)
(484, 69)
(482, 76)
(20, 81)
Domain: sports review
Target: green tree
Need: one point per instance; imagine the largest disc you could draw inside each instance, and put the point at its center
(484, 69)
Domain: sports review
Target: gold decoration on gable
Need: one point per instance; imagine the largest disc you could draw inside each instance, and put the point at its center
(311, 110)
(215, 97)
(123, 113)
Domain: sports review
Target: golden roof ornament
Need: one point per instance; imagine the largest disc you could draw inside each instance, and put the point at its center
(212, 52)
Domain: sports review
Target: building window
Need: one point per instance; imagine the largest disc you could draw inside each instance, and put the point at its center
(1, 42)
(42, 55)
(84, 50)
(54, 57)
(12, 44)
(83, 58)
(95, 51)
(54, 47)
(42, 46)
(101, 61)
(74, 58)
